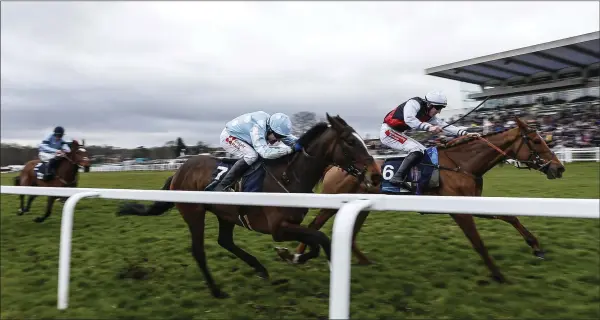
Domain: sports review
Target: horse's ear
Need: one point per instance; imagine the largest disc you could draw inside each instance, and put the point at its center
(342, 121)
(335, 123)
(520, 123)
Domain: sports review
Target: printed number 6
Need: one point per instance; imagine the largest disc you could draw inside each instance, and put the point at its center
(388, 172)
(221, 171)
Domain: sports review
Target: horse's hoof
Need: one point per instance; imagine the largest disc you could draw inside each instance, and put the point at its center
(539, 254)
(499, 278)
(220, 295)
(38, 220)
(263, 275)
(364, 262)
(284, 254)
(21, 212)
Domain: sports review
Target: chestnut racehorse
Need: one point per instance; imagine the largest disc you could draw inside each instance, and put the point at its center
(463, 162)
(66, 176)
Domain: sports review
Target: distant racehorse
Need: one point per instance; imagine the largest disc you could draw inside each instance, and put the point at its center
(462, 164)
(323, 145)
(66, 176)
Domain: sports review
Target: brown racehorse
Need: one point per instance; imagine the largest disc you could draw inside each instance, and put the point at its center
(463, 162)
(323, 145)
(66, 176)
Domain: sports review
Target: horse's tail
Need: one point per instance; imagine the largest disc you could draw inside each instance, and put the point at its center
(156, 209)
(17, 180)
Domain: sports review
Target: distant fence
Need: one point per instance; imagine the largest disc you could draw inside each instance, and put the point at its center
(564, 154)
(349, 205)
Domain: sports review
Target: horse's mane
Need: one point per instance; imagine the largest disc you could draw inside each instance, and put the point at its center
(310, 135)
(463, 140)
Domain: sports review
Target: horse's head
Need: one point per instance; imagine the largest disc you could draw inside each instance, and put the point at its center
(342, 146)
(533, 151)
(79, 154)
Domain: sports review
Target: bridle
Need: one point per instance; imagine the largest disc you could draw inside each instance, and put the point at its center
(534, 161)
(73, 162)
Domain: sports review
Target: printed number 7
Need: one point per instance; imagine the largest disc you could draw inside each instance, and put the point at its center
(221, 171)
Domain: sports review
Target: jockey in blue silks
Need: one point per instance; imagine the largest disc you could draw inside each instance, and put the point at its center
(51, 149)
(252, 135)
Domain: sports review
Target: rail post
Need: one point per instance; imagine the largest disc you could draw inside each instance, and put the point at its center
(64, 259)
(341, 245)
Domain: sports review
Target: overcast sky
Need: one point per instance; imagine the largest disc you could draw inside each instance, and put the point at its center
(143, 73)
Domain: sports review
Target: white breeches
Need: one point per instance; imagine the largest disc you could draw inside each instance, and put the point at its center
(238, 148)
(399, 141)
(46, 156)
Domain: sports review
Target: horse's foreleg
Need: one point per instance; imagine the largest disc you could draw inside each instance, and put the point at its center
(530, 239)
(322, 217)
(467, 224)
(226, 241)
(313, 238)
(360, 220)
(49, 205)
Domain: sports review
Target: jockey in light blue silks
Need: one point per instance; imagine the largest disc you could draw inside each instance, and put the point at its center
(252, 135)
(51, 149)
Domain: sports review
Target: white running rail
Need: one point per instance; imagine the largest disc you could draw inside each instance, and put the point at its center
(349, 206)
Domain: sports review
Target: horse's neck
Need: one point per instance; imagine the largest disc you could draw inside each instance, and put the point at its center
(66, 170)
(305, 171)
(477, 157)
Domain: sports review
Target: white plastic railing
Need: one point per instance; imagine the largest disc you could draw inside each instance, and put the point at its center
(349, 204)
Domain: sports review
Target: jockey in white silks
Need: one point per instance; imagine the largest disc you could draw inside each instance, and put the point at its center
(252, 135)
(51, 149)
(418, 114)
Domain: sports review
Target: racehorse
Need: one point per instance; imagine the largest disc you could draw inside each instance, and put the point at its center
(462, 164)
(66, 176)
(323, 145)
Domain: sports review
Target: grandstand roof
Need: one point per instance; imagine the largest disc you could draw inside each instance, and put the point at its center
(577, 52)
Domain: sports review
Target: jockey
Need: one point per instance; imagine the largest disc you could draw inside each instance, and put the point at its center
(418, 114)
(52, 148)
(252, 135)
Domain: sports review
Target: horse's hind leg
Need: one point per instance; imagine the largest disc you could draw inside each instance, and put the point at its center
(21, 209)
(226, 241)
(29, 201)
(194, 217)
(530, 239)
(467, 224)
(49, 205)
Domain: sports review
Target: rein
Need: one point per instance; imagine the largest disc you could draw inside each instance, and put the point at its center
(350, 168)
(534, 158)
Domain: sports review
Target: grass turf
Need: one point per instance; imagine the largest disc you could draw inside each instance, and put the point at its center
(141, 267)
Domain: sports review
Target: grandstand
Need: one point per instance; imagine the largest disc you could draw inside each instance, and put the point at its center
(556, 82)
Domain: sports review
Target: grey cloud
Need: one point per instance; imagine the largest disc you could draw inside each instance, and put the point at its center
(142, 73)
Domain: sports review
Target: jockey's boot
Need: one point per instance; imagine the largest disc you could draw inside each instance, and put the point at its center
(236, 171)
(50, 169)
(399, 178)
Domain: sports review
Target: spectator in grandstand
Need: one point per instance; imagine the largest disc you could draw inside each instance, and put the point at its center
(415, 113)
(251, 135)
(51, 149)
